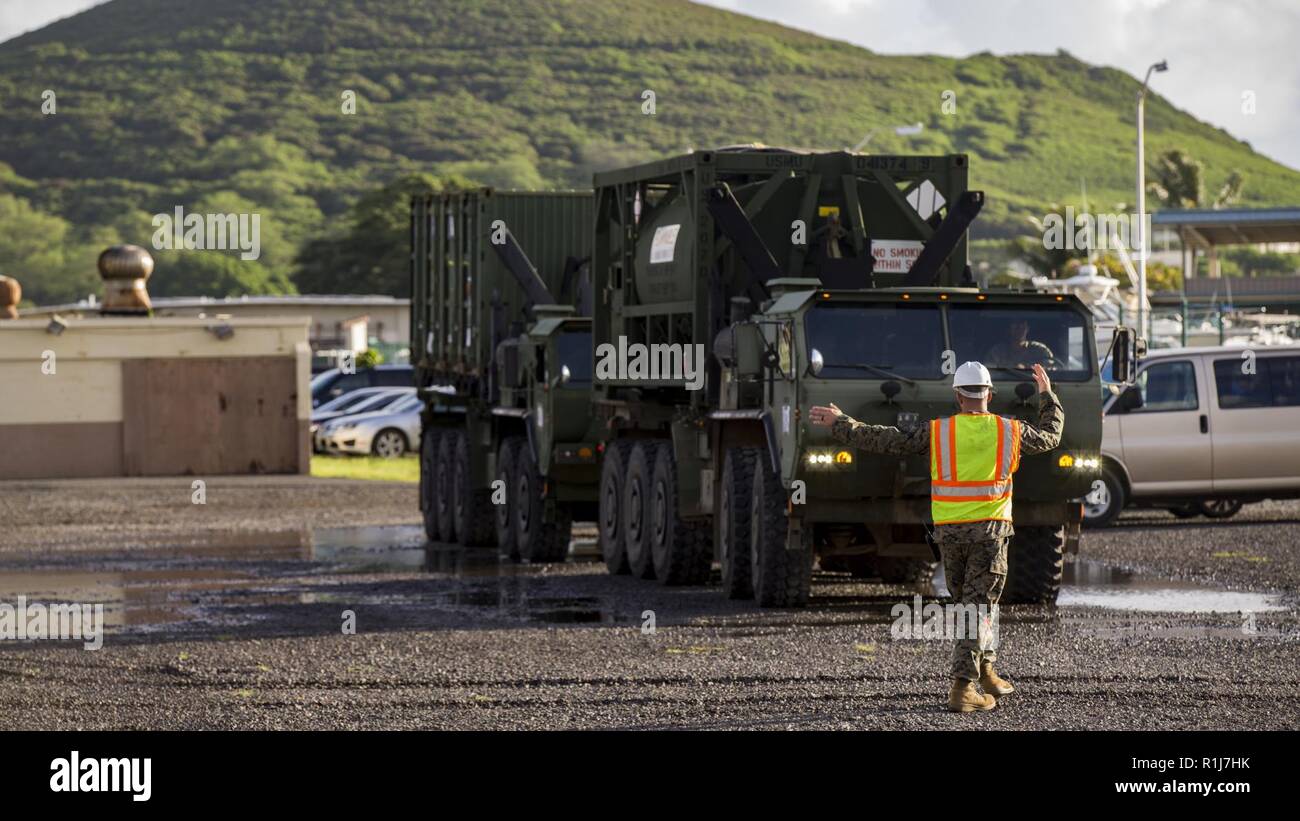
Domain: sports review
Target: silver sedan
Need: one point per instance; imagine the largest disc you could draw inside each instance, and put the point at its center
(388, 433)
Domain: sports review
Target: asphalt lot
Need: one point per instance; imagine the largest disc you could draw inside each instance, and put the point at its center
(231, 614)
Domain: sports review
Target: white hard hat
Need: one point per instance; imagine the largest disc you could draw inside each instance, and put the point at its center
(972, 375)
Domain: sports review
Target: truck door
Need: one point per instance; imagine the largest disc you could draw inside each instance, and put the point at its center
(1255, 407)
(1165, 429)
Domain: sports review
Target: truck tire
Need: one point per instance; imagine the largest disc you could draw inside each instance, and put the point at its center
(428, 483)
(444, 486)
(472, 507)
(541, 536)
(504, 514)
(636, 511)
(731, 522)
(1034, 562)
(681, 550)
(613, 471)
(1105, 501)
(781, 577)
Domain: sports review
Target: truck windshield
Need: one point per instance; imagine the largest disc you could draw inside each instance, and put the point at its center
(1017, 338)
(574, 350)
(906, 340)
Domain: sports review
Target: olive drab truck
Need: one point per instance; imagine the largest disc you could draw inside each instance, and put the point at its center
(730, 291)
(810, 278)
(501, 343)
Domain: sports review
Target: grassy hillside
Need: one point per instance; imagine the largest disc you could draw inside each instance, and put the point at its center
(237, 106)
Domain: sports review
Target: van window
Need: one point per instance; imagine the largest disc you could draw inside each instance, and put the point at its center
(1238, 389)
(1284, 377)
(1167, 386)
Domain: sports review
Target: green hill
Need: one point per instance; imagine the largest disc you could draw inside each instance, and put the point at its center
(237, 106)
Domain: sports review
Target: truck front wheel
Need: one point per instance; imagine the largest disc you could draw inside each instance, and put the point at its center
(732, 522)
(507, 455)
(1034, 563)
(680, 548)
(781, 573)
(543, 535)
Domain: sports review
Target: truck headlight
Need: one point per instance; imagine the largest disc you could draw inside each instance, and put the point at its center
(1078, 461)
(827, 459)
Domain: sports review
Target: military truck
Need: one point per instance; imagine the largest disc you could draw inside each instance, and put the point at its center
(811, 278)
(501, 343)
(733, 289)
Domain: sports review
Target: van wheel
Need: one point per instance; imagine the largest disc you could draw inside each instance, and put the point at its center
(681, 549)
(505, 512)
(732, 522)
(471, 506)
(1220, 508)
(613, 472)
(1105, 501)
(429, 484)
(444, 486)
(1035, 559)
(543, 535)
(636, 509)
(781, 577)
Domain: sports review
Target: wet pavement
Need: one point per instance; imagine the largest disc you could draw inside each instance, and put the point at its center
(1160, 625)
(282, 582)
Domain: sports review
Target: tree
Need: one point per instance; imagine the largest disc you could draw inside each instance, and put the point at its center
(1179, 183)
(373, 254)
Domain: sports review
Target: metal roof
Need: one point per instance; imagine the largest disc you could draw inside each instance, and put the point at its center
(1232, 226)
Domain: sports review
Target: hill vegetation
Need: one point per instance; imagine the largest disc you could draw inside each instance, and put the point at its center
(307, 111)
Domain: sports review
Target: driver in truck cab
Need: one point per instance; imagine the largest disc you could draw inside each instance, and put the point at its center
(1018, 350)
(973, 457)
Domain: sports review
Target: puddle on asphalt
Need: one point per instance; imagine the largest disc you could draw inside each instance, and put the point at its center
(1089, 583)
(227, 578)
(233, 579)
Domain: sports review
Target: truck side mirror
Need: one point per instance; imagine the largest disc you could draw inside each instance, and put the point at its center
(1125, 349)
(815, 362)
(748, 349)
(1131, 399)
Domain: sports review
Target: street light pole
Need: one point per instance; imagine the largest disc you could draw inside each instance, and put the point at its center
(1143, 240)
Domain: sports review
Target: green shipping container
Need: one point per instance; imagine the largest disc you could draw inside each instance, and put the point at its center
(464, 299)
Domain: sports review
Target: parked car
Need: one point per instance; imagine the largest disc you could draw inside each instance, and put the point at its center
(1202, 431)
(386, 433)
(365, 400)
(334, 383)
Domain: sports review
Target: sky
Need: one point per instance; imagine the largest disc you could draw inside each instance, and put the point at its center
(1218, 50)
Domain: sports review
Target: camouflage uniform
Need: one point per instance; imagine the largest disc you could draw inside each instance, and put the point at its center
(974, 553)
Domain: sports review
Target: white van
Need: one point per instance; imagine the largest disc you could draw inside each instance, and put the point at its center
(1200, 432)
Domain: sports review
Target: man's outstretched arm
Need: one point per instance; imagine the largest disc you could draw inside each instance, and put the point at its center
(872, 438)
(1046, 434)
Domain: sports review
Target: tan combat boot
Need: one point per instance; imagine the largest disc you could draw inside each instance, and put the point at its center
(992, 683)
(964, 698)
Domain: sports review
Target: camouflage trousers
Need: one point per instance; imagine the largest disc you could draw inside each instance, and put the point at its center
(976, 572)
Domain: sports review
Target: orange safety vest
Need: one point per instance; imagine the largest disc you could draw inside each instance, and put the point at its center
(972, 457)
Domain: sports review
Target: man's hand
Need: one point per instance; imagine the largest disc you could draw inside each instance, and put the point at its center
(823, 416)
(1040, 379)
